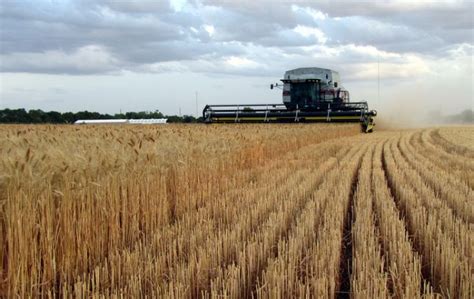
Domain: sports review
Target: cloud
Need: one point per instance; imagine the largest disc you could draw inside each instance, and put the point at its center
(307, 31)
(101, 37)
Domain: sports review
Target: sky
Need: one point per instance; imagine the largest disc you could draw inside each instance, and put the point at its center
(176, 56)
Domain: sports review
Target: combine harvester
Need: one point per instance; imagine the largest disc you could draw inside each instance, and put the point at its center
(309, 95)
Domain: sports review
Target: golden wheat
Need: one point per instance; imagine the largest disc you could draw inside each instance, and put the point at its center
(236, 211)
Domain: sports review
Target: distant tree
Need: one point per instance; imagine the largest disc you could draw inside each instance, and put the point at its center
(106, 116)
(467, 116)
(84, 115)
(131, 115)
(119, 116)
(156, 114)
(14, 116)
(174, 119)
(189, 119)
(5, 115)
(38, 116)
(55, 117)
(69, 117)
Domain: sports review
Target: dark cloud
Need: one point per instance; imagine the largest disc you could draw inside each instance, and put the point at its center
(52, 27)
(138, 7)
(176, 51)
(85, 60)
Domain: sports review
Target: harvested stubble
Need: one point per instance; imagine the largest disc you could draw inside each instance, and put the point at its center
(236, 211)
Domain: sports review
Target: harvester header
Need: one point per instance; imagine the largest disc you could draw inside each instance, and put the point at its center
(309, 95)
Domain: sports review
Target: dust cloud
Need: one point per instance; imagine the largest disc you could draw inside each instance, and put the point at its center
(418, 111)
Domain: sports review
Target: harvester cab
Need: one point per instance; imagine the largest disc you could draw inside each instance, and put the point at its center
(312, 89)
(309, 95)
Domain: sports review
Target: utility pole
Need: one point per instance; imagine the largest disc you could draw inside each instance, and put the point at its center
(197, 104)
(180, 111)
(378, 80)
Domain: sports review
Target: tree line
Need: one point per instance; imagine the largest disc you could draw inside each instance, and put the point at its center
(37, 116)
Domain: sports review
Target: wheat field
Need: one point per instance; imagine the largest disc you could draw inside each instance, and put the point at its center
(236, 211)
